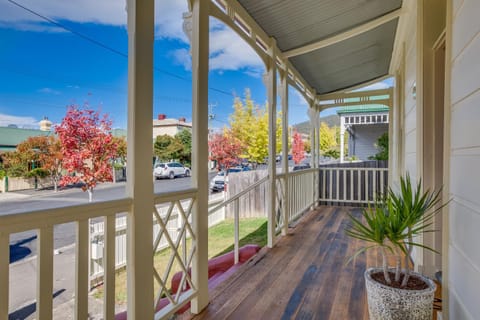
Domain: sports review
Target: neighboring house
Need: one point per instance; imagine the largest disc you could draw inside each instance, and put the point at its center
(10, 137)
(169, 126)
(364, 124)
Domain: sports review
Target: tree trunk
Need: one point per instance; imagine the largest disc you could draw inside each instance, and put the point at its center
(90, 194)
(407, 268)
(385, 267)
(398, 268)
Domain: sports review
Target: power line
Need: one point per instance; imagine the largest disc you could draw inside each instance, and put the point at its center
(104, 46)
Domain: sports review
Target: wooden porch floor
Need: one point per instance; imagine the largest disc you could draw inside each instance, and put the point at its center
(303, 277)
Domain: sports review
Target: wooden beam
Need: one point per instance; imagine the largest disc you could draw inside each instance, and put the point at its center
(344, 35)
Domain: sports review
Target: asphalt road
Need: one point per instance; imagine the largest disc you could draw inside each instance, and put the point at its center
(24, 244)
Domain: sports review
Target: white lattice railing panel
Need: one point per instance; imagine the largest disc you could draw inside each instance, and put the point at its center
(280, 203)
(173, 237)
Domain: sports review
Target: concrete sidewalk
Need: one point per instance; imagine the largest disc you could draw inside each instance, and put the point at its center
(23, 284)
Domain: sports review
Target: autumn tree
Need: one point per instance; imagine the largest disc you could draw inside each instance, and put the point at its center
(225, 149)
(88, 147)
(51, 159)
(327, 137)
(298, 151)
(35, 157)
(249, 125)
(121, 152)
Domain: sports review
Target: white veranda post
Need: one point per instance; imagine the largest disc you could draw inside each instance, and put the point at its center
(139, 180)
(199, 50)
(283, 92)
(342, 139)
(313, 114)
(271, 83)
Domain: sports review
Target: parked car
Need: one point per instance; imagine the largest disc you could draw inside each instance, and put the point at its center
(170, 170)
(301, 166)
(218, 182)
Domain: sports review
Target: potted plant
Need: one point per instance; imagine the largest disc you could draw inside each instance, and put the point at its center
(391, 225)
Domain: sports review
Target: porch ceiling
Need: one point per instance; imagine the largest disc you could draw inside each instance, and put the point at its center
(297, 25)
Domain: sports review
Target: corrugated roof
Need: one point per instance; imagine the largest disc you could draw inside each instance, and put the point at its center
(11, 137)
(370, 108)
(297, 23)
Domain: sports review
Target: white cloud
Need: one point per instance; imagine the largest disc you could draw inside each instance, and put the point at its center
(109, 12)
(168, 14)
(6, 120)
(168, 19)
(49, 91)
(227, 50)
(182, 57)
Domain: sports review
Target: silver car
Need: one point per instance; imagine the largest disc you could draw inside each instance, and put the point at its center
(170, 170)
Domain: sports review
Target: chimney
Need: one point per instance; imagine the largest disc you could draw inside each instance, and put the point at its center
(182, 119)
(45, 124)
(162, 116)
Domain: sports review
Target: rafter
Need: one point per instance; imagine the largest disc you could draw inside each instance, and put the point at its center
(343, 36)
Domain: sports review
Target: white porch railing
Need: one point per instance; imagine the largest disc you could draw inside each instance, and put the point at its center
(173, 225)
(300, 195)
(44, 221)
(352, 185)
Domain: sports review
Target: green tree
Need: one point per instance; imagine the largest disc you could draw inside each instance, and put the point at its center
(184, 137)
(165, 147)
(382, 146)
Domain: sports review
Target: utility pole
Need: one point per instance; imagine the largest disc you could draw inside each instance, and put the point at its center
(211, 116)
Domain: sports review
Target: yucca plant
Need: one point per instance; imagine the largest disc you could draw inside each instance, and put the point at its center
(393, 222)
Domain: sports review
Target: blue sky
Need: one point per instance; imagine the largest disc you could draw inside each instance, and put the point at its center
(45, 67)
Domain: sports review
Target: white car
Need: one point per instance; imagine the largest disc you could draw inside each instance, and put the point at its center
(170, 170)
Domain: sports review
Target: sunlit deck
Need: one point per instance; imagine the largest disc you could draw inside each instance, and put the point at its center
(303, 277)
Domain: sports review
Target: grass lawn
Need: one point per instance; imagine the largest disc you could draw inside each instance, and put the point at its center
(220, 241)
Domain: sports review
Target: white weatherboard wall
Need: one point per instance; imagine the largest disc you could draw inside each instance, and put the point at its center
(366, 138)
(464, 237)
(410, 110)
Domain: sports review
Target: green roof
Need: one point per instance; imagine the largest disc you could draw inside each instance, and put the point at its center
(117, 132)
(11, 137)
(369, 108)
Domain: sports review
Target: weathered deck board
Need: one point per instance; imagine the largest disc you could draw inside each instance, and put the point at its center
(303, 277)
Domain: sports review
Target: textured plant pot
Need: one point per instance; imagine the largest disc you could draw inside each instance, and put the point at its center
(386, 303)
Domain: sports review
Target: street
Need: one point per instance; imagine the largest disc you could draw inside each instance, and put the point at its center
(23, 244)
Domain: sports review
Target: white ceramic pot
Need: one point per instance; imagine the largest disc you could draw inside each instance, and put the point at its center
(387, 303)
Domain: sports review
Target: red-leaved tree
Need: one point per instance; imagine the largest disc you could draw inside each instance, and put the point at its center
(88, 147)
(298, 150)
(225, 149)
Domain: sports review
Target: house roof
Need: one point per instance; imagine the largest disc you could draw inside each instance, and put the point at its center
(171, 122)
(370, 108)
(333, 44)
(11, 137)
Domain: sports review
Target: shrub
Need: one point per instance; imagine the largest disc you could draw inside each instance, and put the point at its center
(37, 172)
